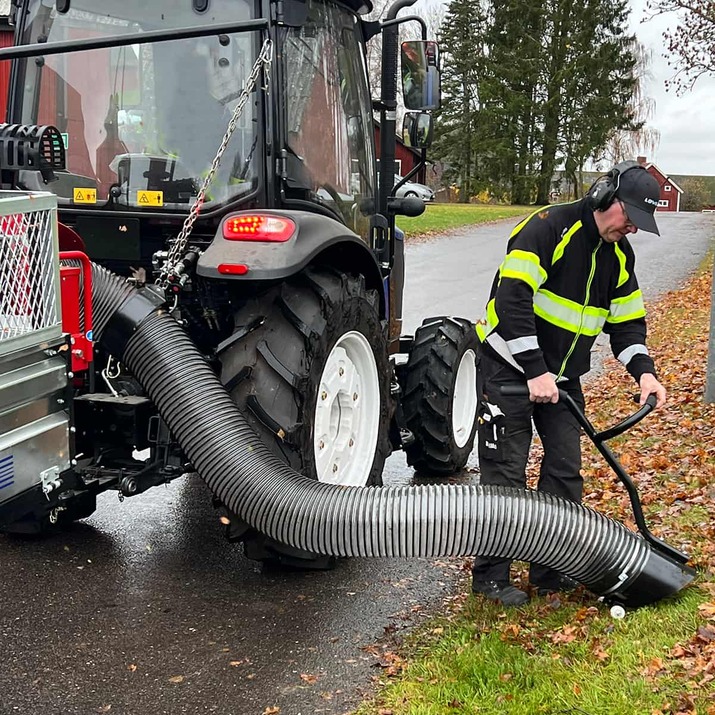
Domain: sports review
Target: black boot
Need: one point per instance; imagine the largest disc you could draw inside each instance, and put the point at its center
(501, 592)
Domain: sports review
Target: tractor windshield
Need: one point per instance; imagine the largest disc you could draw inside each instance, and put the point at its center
(141, 123)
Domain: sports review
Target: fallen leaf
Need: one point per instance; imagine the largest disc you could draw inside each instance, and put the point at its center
(176, 679)
(308, 678)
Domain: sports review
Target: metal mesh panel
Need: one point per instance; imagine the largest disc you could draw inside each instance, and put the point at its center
(29, 272)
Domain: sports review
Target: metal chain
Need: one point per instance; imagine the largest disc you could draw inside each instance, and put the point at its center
(263, 61)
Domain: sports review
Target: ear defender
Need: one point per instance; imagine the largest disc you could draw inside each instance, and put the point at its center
(603, 192)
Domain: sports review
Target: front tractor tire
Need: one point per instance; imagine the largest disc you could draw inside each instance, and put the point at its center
(308, 367)
(440, 395)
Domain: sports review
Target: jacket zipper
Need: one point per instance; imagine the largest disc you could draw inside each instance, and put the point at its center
(583, 309)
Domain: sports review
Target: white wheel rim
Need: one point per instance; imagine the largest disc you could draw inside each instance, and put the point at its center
(347, 413)
(464, 400)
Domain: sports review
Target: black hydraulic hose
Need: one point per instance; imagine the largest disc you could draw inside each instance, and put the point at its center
(436, 520)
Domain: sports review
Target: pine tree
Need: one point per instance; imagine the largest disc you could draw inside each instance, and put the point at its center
(589, 80)
(514, 108)
(462, 43)
(529, 85)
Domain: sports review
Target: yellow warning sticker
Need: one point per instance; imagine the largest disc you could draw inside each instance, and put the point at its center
(150, 198)
(85, 196)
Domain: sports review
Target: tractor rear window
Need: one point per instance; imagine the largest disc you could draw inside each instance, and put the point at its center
(329, 117)
(142, 123)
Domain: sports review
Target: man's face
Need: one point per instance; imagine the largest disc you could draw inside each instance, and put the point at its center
(613, 223)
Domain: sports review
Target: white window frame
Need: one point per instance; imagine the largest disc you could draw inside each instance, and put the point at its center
(667, 187)
(663, 202)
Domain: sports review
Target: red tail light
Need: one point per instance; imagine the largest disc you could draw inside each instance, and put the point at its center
(258, 227)
(232, 269)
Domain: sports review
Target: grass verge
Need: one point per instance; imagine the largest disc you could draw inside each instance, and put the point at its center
(439, 218)
(567, 654)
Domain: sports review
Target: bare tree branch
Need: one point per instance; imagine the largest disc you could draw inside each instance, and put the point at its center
(691, 45)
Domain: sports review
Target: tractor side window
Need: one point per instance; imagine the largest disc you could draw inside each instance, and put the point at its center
(329, 124)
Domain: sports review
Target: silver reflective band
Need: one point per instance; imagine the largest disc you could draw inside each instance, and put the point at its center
(520, 345)
(499, 345)
(629, 353)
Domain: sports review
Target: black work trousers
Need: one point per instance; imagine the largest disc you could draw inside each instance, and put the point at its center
(504, 443)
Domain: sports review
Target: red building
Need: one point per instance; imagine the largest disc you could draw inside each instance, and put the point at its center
(670, 192)
(405, 156)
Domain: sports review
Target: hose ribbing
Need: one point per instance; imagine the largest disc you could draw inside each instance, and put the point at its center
(435, 520)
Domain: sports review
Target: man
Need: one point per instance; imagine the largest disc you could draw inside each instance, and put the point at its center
(567, 275)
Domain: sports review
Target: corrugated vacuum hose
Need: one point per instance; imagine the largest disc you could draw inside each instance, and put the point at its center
(427, 521)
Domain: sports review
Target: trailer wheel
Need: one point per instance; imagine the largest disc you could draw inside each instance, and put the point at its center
(308, 367)
(440, 395)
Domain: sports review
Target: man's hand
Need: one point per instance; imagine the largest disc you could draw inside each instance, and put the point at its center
(650, 386)
(543, 388)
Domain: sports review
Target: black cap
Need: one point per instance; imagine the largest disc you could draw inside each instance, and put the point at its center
(640, 192)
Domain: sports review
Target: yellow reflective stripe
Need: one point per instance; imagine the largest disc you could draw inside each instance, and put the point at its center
(559, 250)
(523, 266)
(568, 314)
(487, 324)
(623, 275)
(629, 307)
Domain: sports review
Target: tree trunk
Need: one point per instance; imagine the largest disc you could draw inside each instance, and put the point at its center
(467, 155)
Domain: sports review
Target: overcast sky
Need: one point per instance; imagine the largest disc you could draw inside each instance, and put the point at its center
(687, 139)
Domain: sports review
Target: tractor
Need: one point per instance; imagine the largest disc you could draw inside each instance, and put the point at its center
(222, 154)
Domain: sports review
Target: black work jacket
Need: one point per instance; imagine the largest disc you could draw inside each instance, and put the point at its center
(558, 287)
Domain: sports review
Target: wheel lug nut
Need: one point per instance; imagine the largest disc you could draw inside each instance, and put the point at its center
(355, 396)
(351, 442)
(335, 468)
(321, 444)
(323, 395)
(341, 372)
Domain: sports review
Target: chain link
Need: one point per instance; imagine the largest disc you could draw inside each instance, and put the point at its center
(177, 249)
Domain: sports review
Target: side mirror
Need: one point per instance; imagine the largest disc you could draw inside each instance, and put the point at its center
(417, 130)
(420, 75)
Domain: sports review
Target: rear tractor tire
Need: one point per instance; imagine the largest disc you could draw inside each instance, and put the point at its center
(440, 395)
(308, 367)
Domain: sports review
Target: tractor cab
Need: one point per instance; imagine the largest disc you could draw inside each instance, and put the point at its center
(142, 120)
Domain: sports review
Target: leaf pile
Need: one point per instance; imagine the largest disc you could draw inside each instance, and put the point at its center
(670, 456)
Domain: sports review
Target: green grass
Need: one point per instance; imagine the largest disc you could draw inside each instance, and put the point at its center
(490, 664)
(439, 218)
(571, 656)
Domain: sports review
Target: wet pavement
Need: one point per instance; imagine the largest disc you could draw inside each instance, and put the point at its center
(145, 609)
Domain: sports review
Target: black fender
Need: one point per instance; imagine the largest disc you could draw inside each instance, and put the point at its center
(317, 239)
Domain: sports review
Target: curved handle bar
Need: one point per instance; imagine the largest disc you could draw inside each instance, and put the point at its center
(599, 438)
(519, 390)
(633, 419)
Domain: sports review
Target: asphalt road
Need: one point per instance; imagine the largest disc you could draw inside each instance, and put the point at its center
(145, 609)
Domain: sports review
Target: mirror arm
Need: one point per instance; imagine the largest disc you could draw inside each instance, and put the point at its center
(406, 18)
(370, 29)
